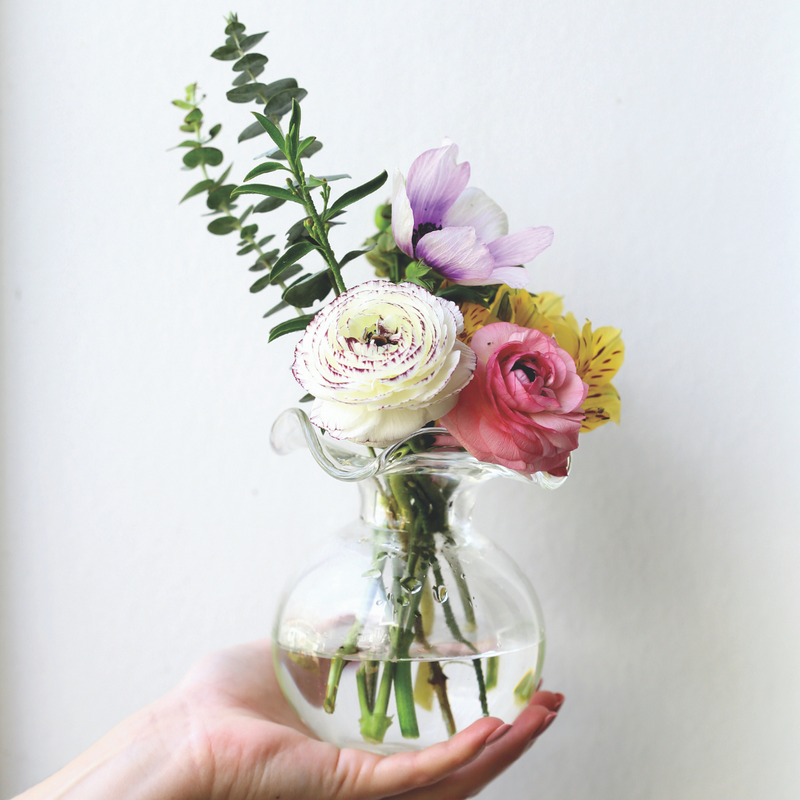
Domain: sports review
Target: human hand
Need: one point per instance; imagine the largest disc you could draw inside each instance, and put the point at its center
(228, 732)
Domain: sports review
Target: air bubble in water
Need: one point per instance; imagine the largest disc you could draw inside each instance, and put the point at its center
(440, 593)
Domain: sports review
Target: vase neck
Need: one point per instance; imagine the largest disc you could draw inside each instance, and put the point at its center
(434, 503)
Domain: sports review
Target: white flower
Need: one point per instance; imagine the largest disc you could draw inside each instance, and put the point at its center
(382, 360)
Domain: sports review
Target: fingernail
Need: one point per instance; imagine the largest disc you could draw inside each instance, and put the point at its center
(548, 721)
(497, 734)
(539, 685)
(559, 701)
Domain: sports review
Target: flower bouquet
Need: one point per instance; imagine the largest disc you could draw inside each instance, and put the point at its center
(441, 372)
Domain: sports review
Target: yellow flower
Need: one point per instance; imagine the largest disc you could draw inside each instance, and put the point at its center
(597, 355)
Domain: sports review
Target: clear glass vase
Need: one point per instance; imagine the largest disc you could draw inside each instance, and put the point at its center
(409, 625)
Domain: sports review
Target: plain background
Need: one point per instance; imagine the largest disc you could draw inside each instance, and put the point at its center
(145, 520)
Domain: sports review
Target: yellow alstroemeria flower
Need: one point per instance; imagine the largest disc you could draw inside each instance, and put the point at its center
(598, 355)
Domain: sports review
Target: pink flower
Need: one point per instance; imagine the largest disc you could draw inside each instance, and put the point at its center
(523, 407)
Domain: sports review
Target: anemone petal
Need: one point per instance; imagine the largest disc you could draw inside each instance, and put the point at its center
(456, 253)
(475, 209)
(521, 247)
(434, 183)
(402, 215)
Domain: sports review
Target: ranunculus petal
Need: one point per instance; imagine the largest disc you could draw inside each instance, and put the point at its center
(402, 215)
(520, 247)
(456, 253)
(475, 209)
(434, 183)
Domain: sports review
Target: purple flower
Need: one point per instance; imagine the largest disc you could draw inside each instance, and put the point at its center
(459, 232)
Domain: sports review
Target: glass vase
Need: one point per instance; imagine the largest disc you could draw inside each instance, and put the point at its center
(408, 625)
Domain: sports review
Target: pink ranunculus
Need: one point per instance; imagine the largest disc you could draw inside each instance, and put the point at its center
(523, 407)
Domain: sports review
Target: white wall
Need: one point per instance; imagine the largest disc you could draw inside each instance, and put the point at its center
(145, 520)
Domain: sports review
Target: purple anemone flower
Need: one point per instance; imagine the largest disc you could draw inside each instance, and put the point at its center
(459, 232)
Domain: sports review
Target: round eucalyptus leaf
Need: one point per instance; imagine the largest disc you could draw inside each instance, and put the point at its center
(220, 196)
(251, 41)
(249, 62)
(222, 225)
(203, 155)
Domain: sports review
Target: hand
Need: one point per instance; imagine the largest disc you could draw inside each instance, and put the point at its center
(228, 732)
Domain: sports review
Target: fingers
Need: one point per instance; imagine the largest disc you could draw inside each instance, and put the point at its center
(498, 755)
(366, 776)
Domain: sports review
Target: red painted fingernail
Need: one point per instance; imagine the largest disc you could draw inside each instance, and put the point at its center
(497, 734)
(559, 701)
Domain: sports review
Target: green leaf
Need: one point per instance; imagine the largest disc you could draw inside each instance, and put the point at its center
(226, 53)
(249, 62)
(246, 215)
(307, 291)
(214, 131)
(288, 274)
(246, 92)
(280, 103)
(197, 188)
(203, 155)
(353, 254)
(416, 272)
(248, 249)
(296, 232)
(292, 254)
(251, 131)
(308, 151)
(235, 28)
(195, 115)
(306, 398)
(187, 143)
(358, 193)
(260, 284)
(224, 175)
(187, 128)
(249, 230)
(264, 261)
(274, 310)
(290, 326)
(267, 239)
(222, 225)
(260, 188)
(251, 41)
(220, 196)
(183, 104)
(293, 135)
(272, 129)
(314, 181)
(268, 204)
(261, 169)
(246, 77)
(464, 294)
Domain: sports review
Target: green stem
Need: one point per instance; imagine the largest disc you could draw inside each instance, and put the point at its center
(439, 682)
(492, 670)
(476, 662)
(448, 611)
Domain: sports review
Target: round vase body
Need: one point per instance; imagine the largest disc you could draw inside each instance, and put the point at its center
(409, 625)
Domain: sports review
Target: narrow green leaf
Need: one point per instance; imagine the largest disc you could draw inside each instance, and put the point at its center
(246, 215)
(267, 239)
(186, 128)
(274, 310)
(251, 41)
(265, 261)
(307, 142)
(260, 188)
(277, 155)
(288, 274)
(246, 92)
(246, 77)
(348, 257)
(249, 62)
(293, 254)
(290, 326)
(197, 188)
(260, 284)
(461, 294)
(183, 104)
(187, 143)
(251, 131)
(306, 292)
(314, 181)
(293, 136)
(280, 103)
(220, 196)
(272, 129)
(223, 225)
(268, 204)
(306, 398)
(214, 131)
(226, 53)
(248, 249)
(224, 175)
(261, 169)
(358, 193)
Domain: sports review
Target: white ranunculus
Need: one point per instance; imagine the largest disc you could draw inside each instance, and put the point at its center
(382, 360)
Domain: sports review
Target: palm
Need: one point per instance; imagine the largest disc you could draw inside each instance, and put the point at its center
(253, 745)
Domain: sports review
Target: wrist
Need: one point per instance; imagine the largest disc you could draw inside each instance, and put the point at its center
(147, 757)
